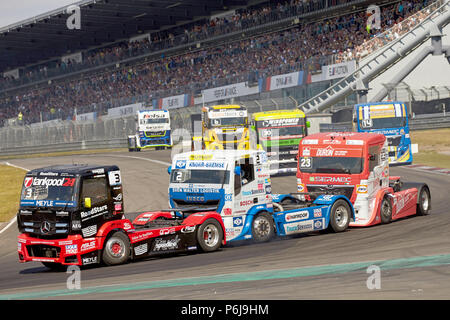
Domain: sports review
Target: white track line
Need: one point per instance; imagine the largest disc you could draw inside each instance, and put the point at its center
(13, 220)
(146, 159)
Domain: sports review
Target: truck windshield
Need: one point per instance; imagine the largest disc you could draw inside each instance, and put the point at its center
(274, 132)
(200, 176)
(231, 122)
(347, 165)
(62, 189)
(382, 123)
(154, 120)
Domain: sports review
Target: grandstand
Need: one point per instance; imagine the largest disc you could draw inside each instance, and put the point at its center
(146, 51)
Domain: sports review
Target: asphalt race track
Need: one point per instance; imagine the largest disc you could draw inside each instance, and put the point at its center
(413, 254)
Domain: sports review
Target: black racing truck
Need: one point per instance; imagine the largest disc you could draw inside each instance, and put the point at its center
(74, 215)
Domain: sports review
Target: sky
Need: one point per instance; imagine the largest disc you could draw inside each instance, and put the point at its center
(12, 11)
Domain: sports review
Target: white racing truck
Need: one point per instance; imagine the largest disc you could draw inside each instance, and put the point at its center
(152, 130)
(236, 184)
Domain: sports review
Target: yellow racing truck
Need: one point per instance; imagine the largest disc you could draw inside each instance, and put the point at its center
(224, 127)
(279, 132)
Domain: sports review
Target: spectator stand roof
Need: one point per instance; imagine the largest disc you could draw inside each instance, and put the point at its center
(102, 21)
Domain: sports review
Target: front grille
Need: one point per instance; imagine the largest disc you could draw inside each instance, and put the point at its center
(155, 142)
(154, 133)
(332, 189)
(394, 141)
(43, 251)
(207, 204)
(44, 223)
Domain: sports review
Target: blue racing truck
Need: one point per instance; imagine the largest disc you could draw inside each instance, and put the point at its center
(390, 119)
(236, 184)
(152, 130)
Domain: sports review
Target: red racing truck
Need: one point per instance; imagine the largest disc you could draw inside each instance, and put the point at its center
(74, 215)
(356, 165)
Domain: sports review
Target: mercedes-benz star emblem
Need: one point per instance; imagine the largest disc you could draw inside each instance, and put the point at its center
(45, 227)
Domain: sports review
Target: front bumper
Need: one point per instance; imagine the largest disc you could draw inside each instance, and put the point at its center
(73, 250)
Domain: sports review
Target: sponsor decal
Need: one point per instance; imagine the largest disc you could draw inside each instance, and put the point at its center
(61, 182)
(306, 152)
(98, 171)
(88, 246)
(180, 164)
(325, 152)
(317, 213)
(361, 188)
(331, 179)
(204, 164)
(92, 213)
(280, 122)
(318, 225)
(119, 197)
(89, 231)
(296, 216)
(252, 192)
(300, 187)
(188, 229)
(340, 152)
(298, 227)
(164, 232)
(310, 141)
(141, 236)
(19, 246)
(246, 203)
(141, 249)
(71, 249)
(354, 142)
(166, 244)
(192, 248)
(227, 212)
(238, 222)
(331, 141)
(200, 157)
(89, 260)
(118, 207)
(268, 189)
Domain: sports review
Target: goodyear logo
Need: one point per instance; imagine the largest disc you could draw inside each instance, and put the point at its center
(200, 157)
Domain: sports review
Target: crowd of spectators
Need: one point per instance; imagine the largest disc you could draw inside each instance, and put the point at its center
(304, 47)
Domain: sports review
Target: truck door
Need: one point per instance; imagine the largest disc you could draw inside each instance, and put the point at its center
(246, 191)
(95, 201)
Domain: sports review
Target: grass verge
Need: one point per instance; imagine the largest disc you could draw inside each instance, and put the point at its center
(434, 147)
(10, 186)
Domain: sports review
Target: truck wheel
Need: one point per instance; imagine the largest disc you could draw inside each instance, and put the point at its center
(424, 205)
(340, 216)
(55, 266)
(116, 249)
(210, 235)
(386, 210)
(262, 227)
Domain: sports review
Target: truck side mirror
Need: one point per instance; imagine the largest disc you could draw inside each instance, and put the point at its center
(87, 203)
(308, 124)
(237, 171)
(169, 169)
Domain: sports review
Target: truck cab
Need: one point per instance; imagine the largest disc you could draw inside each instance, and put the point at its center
(390, 119)
(230, 182)
(152, 130)
(225, 127)
(236, 184)
(279, 132)
(357, 166)
(59, 201)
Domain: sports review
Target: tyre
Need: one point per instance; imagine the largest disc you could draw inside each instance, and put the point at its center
(340, 216)
(424, 205)
(386, 210)
(262, 227)
(116, 249)
(210, 235)
(55, 266)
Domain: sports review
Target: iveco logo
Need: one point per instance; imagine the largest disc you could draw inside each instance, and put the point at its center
(330, 186)
(45, 227)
